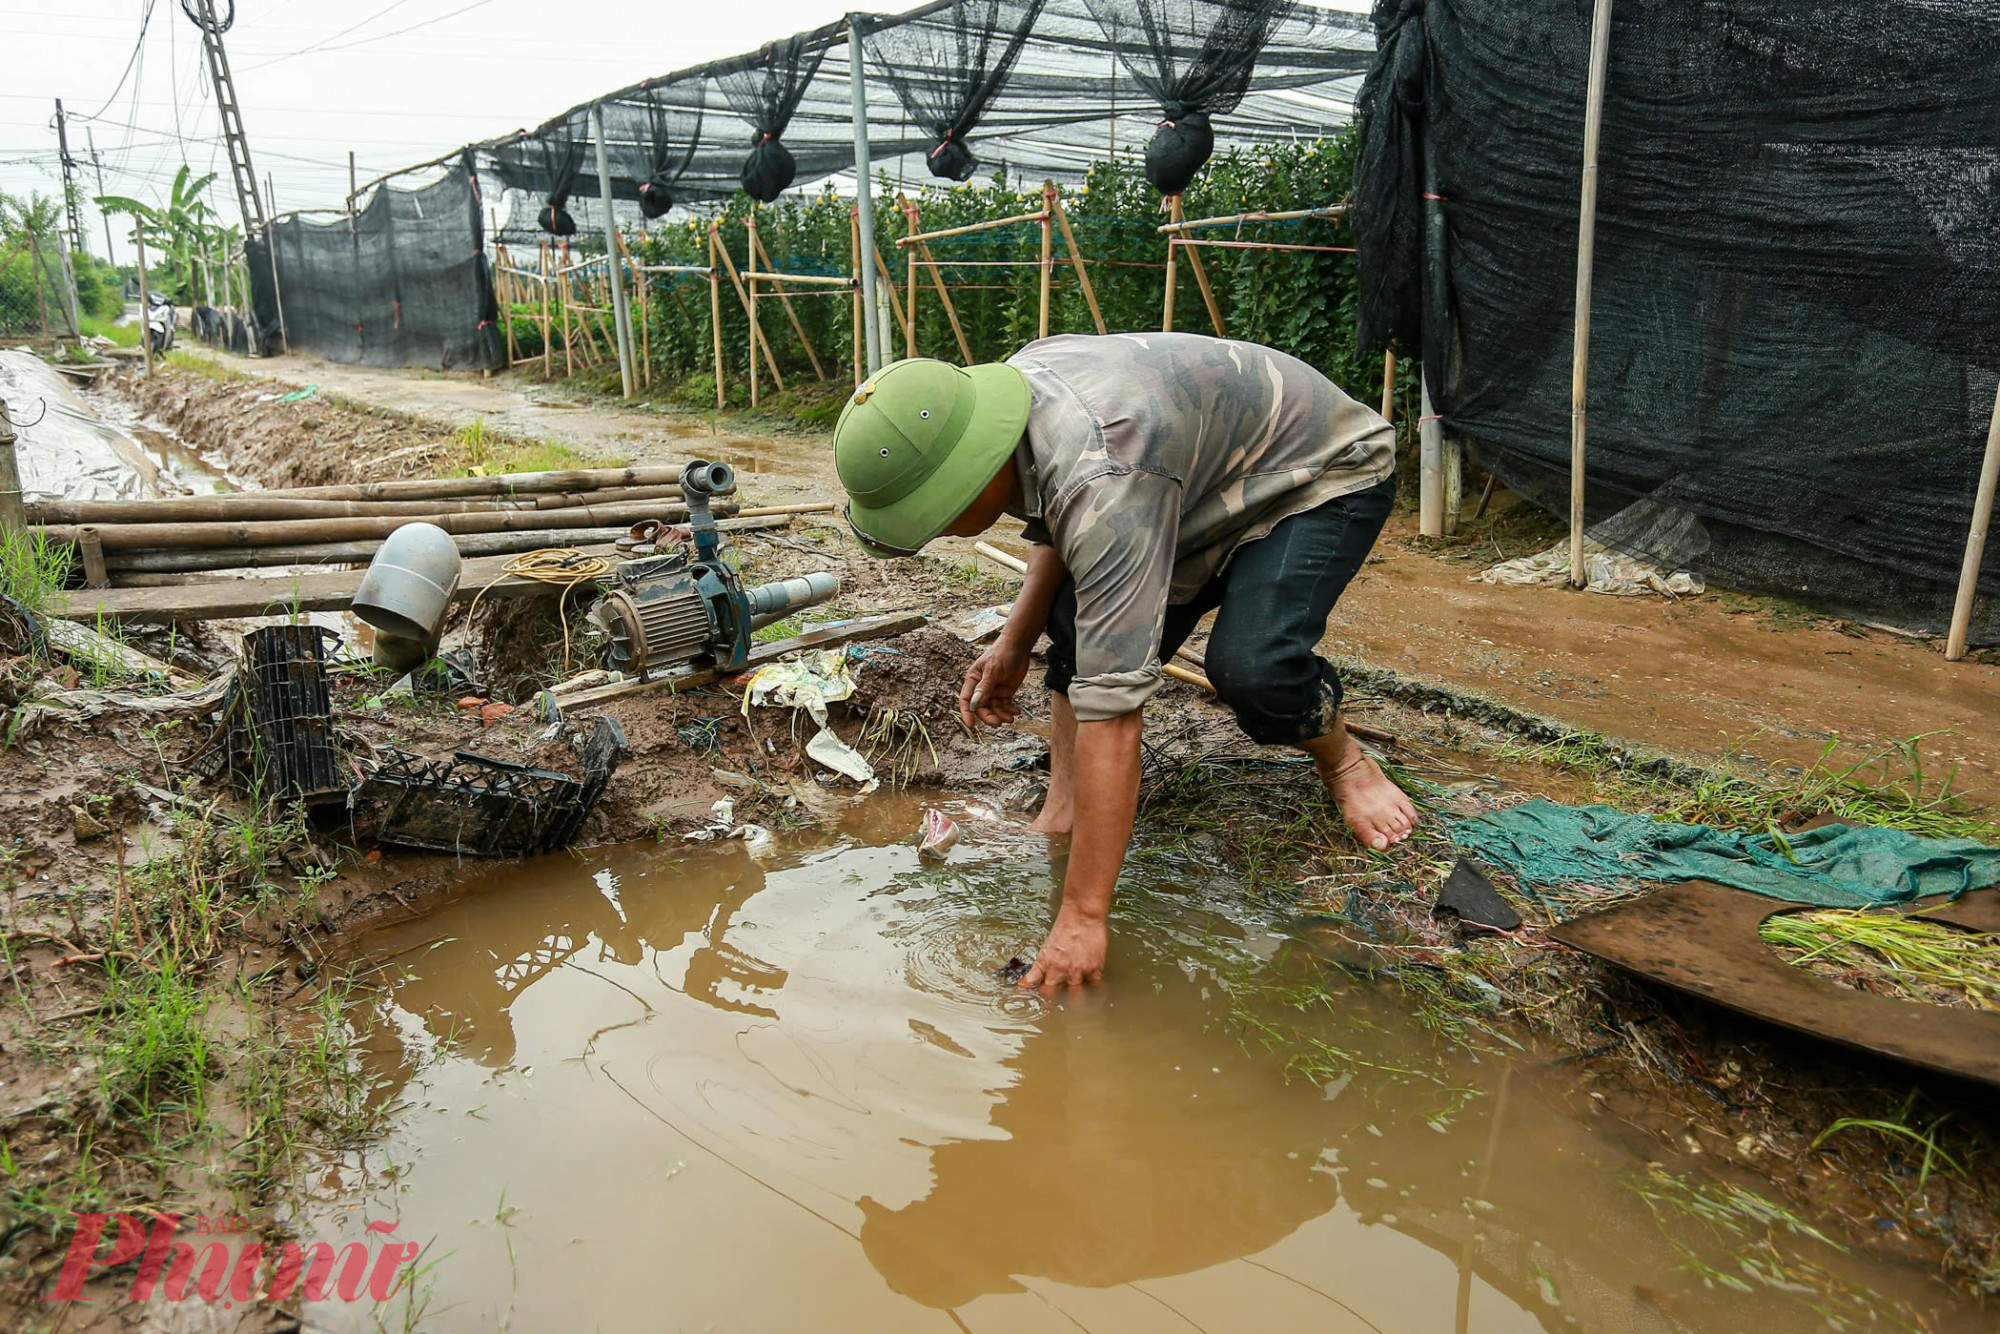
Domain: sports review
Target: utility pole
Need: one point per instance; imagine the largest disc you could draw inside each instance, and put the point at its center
(97, 164)
(241, 172)
(71, 214)
(864, 198)
(66, 233)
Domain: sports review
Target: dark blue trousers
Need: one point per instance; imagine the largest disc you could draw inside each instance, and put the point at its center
(1274, 597)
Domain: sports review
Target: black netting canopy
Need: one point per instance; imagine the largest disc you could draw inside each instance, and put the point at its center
(1049, 87)
(948, 71)
(1795, 327)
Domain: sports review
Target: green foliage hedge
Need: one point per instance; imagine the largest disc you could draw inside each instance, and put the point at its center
(1303, 302)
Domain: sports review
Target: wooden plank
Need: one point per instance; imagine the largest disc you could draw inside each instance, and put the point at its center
(830, 635)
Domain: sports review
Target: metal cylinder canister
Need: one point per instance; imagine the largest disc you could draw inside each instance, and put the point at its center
(410, 583)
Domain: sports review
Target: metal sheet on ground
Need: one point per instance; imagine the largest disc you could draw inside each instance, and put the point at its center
(1701, 938)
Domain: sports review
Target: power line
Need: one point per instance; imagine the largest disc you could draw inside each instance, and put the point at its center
(145, 17)
(325, 41)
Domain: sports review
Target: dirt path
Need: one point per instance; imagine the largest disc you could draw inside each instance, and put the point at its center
(1699, 677)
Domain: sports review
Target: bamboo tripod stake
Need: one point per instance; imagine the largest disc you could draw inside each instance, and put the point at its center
(1975, 541)
(548, 330)
(1048, 244)
(785, 300)
(715, 316)
(1586, 236)
(750, 302)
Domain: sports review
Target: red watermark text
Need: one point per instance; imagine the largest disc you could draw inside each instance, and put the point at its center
(231, 1270)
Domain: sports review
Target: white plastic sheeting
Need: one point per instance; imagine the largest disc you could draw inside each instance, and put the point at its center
(65, 451)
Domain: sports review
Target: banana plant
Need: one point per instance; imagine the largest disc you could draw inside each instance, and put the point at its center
(181, 230)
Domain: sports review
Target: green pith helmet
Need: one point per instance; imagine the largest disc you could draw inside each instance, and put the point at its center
(918, 442)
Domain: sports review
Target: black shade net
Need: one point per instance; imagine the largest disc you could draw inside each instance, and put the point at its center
(405, 283)
(946, 73)
(1194, 58)
(1795, 324)
(765, 90)
(1050, 103)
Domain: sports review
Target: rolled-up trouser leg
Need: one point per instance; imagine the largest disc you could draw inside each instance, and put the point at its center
(1276, 596)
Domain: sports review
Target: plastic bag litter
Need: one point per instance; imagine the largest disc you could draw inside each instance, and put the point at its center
(1605, 571)
(936, 834)
(812, 681)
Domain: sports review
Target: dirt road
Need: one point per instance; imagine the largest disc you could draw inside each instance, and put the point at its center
(1703, 677)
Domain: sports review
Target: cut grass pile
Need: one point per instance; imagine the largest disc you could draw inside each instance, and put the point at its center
(1892, 954)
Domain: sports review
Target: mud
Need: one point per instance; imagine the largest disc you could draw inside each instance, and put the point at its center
(630, 1087)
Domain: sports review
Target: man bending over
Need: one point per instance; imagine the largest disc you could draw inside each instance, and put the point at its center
(1161, 476)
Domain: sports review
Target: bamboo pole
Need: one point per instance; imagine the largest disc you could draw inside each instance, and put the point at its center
(1975, 541)
(137, 569)
(548, 328)
(145, 299)
(910, 275)
(645, 324)
(715, 315)
(507, 299)
(971, 227)
(1207, 292)
(1082, 270)
(245, 506)
(499, 484)
(1389, 386)
(895, 302)
(1586, 247)
(1173, 269)
(743, 298)
(1048, 262)
(569, 358)
(785, 300)
(286, 532)
(1185, 226)
(750, 281)
(11, 516)
(950, 308)
(854, 261)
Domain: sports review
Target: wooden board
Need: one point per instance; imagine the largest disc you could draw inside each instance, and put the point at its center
(222, 599)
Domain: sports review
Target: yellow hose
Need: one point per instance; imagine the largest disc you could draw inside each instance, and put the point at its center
(562, 566)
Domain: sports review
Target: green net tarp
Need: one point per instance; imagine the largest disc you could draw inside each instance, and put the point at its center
(1834, 866)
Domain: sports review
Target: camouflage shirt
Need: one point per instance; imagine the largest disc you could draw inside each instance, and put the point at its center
(1150, 458)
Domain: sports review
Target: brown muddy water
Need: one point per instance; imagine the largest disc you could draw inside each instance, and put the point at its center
(685, 1087)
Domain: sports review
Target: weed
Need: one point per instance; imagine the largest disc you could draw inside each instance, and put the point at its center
(1900, 1131)
(33, 570)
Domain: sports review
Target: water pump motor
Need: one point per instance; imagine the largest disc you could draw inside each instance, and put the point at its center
(689, 607)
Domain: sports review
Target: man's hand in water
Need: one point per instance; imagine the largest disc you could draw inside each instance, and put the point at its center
(1072, 956)
(991, 684)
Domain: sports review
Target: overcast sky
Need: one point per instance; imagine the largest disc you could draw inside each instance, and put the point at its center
(395, 81)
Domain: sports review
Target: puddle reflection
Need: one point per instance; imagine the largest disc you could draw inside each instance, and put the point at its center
(666, 1087)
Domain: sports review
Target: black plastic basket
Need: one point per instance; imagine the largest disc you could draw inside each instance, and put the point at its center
(280, 715)
(476, 805)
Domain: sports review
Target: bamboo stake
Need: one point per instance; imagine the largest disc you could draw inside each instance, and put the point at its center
(145, 300)
(854, 267)
(1173, 269)
(736, 281)
(972, 227)
(1207, 292)
(1389, 386)
(910, 284)
(950, 307)
(569, 358)
(785, 300)
(434, 488)
(1586, 247)
(895, 302)
(750, 281)
(548, 329)
(1975, 541)
(715, 315)
(507, 300)
(1076, 259)
(645, 324)
(1182, 228)
(1048, 263)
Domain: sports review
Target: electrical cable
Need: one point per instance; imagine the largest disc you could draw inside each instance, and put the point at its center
(145, 18)
(565, 567)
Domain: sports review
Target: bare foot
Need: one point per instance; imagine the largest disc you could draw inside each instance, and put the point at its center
(1379, 812)
(1058, 816)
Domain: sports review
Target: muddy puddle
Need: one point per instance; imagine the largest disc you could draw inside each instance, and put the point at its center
(684, 1087)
